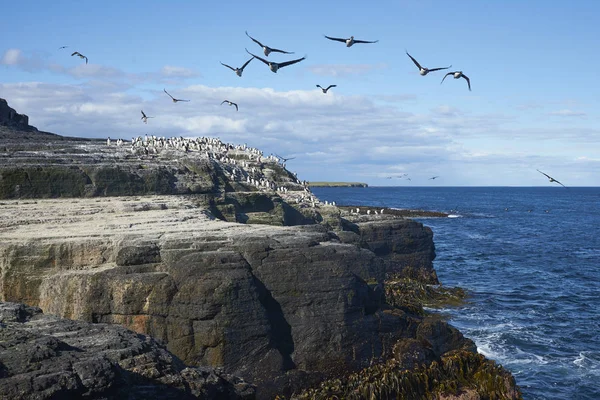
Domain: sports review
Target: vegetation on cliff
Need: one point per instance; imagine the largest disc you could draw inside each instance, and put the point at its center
(457, 374)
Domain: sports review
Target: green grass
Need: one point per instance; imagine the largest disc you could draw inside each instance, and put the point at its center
(338, 184)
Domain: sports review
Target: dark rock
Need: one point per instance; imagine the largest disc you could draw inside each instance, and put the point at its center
(44, 357)
(8, 116)
(406, 245)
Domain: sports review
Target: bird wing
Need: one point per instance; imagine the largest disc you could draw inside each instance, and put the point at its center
(228, 66)
(165, 90)
(75, 53)
(365, 41)
(86, 59)
(180, 100)
(319, 86)
(224, 101)
(336, 39)
(254, 40)
(285, 64)
(246, 63)
(236, 106)
(415, 61)
(280, 51)
(551, 178)
(543, 173)
(449, 73)
(439, 69)
(255, 56)
(468, 80)
(143, 115)
(330, 86)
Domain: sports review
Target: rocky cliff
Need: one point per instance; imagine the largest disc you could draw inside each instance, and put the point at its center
(45, 357)
(216, 251)
(9, 117)
(262, 302)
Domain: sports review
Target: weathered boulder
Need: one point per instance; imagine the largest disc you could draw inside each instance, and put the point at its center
(45, 357)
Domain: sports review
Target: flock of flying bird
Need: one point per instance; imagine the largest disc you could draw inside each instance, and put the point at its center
(275, 66)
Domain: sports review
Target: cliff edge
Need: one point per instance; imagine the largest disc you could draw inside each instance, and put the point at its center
(216, 251)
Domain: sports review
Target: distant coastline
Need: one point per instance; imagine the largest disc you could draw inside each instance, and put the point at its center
(337, 184)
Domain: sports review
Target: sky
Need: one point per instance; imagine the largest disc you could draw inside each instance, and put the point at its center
(534, 102)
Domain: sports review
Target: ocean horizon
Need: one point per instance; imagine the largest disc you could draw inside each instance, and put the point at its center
(529, 258)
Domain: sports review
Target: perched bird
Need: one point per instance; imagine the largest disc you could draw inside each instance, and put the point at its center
(266, 49)
(433, 177)
(285, 159)
(238, 71)
(328, 87)
(78, 54)
(230, 103)
(424, 71)
(173, 98)
(62, 47)
(457, 74)
(273, 66)
(551, 178)
(144, 117)
(349, 42)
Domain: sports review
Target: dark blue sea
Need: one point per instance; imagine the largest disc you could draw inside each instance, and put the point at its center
(530, 259)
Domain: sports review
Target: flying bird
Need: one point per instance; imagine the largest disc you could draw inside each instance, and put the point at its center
(349, 42)
(433, 177)
(173, 98)
(230, 103)
(285, 159)
(273, 66)
(328, 87)
(424, 71)
(62, 47)
(551, 178)
(457, 74)
(238, 71)
(78, 54)
(144, 117)
(266, 49)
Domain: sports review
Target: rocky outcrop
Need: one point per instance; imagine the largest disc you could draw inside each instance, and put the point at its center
(406, 246)
(215, 251)
(9, 117)
(275, 305)
(45, 357)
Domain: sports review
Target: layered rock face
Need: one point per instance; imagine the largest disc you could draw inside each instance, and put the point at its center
(45, 357)
(262, 302)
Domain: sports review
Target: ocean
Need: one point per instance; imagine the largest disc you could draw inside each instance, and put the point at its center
(530, 260)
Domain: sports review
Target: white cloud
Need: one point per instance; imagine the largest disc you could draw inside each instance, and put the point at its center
(333, 137)
(340, 70)
(567, 113)
(11, 57)
(171, 71)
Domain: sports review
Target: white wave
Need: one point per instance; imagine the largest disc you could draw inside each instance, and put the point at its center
(588, 362)
(454, 216)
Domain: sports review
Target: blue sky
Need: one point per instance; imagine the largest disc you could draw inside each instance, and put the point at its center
(534, 103)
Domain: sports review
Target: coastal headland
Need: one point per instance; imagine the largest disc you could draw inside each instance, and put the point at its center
(192, 268)
(337, 184)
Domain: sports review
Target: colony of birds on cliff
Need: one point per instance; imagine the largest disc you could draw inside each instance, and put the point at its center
(276, 66)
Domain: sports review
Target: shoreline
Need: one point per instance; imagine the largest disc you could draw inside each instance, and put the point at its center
(337, 184)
